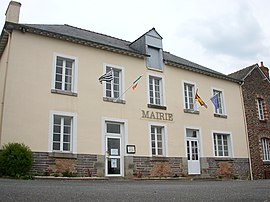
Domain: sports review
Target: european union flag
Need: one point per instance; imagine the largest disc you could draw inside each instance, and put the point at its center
(214, 100)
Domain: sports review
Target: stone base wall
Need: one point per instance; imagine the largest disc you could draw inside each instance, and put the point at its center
(236, 168)
(89, 165)
(79, 165)
(157, 166)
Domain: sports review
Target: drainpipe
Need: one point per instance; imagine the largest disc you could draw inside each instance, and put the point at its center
(5, 86)
(245, 122)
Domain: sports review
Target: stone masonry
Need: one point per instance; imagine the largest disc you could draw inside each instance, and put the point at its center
(231, 168)
(256, 86)
(253, 88)
(87, 165)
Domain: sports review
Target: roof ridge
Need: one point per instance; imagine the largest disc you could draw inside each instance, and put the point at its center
(243, 69)
(96, 32)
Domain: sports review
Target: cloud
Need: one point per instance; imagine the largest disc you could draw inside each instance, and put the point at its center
(235, 33)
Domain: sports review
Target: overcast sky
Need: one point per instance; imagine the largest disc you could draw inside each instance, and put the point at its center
(224, 35)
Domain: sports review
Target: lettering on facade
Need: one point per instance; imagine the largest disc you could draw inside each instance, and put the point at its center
(157, 115)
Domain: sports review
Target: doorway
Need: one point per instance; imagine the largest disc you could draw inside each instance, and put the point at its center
(113, 149)
(193, 151)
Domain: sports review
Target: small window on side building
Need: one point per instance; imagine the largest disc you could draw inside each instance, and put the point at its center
(260, 109)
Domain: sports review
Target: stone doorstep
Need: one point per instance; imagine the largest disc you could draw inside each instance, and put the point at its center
(189, 178)
(68, 178)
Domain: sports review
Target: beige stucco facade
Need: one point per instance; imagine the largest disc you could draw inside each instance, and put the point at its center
(28, 99)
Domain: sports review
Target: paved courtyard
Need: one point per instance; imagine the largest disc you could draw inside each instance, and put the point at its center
(133, 190)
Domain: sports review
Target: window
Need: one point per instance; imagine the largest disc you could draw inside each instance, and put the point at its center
(157, 140)
(222, 144)
(260, 108)
(155, 60)
(155, 91)
(63, 132)
(113, 128)
(114, 88)
(65, 71)
(266, 149)
(219, 109)
(189, 96)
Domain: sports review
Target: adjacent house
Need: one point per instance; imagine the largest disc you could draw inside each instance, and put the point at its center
(52, 101)
(256, 88)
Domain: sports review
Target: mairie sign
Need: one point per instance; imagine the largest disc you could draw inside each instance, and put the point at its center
(157, 115)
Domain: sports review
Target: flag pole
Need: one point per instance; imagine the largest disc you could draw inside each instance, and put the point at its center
(123, 93)
(128, 88)
(194, 100)
(209, 99)
(212, 97)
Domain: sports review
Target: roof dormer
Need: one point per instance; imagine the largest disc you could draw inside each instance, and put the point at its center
(150, 44)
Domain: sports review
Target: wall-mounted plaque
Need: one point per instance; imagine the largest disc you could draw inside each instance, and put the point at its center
(131, 149)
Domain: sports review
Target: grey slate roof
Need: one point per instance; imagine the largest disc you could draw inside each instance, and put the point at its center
(86, 37)
(178, 60)
(242, 73)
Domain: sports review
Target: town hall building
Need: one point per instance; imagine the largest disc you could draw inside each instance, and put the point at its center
(142, 122)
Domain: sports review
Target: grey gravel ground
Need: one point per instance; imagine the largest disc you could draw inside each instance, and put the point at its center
(133, 190)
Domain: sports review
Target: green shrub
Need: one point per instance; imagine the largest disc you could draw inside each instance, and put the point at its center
(15, 160)
(68, 173)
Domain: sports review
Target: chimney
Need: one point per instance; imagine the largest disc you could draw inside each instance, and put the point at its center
(13, 12)
(265, 70)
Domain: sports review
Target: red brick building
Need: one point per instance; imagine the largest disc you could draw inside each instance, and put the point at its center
(256, 97)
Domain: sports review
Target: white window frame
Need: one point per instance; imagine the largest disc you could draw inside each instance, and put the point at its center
(260, 108)
(74, 81)
(73, 140)
(222, 101)
(121, 81)
(265, 149)
(184, 83)
(164, 139)
(229, 141)
(161, 89)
